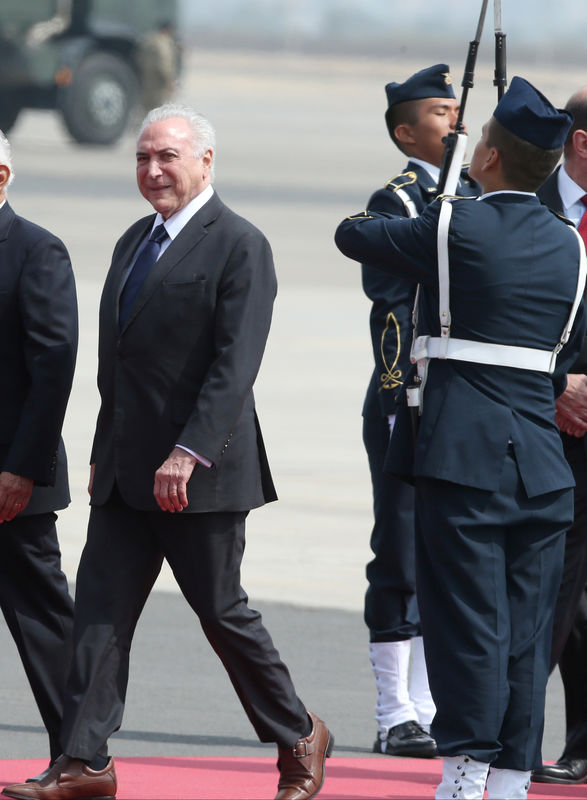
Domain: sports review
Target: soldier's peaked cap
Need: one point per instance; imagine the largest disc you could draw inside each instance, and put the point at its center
(433, 81)
(527, 113)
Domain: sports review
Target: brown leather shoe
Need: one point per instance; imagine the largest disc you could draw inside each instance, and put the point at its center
(302, 766)
(68, 779)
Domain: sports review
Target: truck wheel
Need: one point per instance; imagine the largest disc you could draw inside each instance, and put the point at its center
(9, 111)
(97, 104)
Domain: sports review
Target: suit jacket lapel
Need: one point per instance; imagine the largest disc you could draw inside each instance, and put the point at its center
(188, 238)
(6, 217)
(549, 195)
(120, 263)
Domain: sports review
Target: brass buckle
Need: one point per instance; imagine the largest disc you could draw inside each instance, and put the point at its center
(304, 744)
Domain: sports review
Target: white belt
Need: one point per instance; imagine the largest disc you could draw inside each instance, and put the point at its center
(502, 355)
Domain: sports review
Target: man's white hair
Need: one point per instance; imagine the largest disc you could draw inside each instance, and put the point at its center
(203, 133)
(6, 156)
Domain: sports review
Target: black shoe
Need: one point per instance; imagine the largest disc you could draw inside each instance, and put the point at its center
(408, 739)
(566, 770)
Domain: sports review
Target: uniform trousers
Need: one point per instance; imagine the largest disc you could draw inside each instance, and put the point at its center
(38, 610)
(488, 567)
(569, 640)
(118, 567)
(391, 607)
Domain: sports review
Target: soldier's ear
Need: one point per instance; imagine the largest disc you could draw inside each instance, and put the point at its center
(404, 134)
(492, 159)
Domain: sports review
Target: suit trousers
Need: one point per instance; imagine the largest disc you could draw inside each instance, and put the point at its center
(569, 640)
(120, 562)
(488, 568)
(573, 669)
(38, 610)
(391, 607)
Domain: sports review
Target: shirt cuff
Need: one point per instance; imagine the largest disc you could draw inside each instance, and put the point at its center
(205, 462)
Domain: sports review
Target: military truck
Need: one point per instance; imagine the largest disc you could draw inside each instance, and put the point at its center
(78, 57)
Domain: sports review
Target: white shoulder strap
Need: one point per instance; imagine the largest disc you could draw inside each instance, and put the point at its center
(412, 212)
(409, 204)
(443, 270)
(580, 287)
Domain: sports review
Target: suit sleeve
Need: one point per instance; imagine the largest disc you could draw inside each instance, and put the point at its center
(242, 320)
(48, 310)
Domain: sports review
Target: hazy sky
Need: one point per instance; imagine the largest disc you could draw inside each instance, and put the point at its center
(553, 24)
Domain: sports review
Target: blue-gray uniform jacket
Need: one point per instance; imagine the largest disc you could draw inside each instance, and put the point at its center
(392, 297)
(513, 279)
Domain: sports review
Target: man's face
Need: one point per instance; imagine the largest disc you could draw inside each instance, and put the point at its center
(169, 175)
(437, 117)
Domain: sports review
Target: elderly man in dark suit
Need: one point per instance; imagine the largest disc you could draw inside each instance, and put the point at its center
(178, 460)
(38, 345)
(502, 280)
(565, 191)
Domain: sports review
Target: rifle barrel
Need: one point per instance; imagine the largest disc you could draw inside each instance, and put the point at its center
(446, 168)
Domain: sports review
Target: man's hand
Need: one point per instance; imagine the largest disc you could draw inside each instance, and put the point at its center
(15, 493)
(171, 480)
(571, 406)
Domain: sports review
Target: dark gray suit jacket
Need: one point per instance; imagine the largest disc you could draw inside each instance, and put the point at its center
(38, 345)
(182, 369)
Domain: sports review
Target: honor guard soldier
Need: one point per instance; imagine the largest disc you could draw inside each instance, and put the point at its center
(499, 321)
(421, 112)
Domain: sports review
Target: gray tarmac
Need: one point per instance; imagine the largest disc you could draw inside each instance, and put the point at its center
(301, 144)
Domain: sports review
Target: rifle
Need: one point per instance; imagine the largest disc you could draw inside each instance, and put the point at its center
(456, 141)
(500, 79)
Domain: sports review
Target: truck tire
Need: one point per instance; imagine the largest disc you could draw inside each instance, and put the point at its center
(9, 111)
(97, 104)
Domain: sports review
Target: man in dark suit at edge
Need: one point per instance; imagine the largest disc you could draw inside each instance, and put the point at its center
(38, 346)
(178, 461)
(500, 321)
(565, 191)
(421, 112)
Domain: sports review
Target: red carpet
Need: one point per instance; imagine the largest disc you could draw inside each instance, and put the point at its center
(256, 779)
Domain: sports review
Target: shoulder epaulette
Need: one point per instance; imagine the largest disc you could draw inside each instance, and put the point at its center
(455, 197)
(446, 197)
(401, 180)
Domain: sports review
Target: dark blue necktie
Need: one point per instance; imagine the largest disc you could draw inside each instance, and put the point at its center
(139, 272)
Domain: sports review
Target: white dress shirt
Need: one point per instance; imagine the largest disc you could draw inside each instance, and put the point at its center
(571, 194)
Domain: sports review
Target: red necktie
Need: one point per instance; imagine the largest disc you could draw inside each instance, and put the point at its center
(582, 227)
